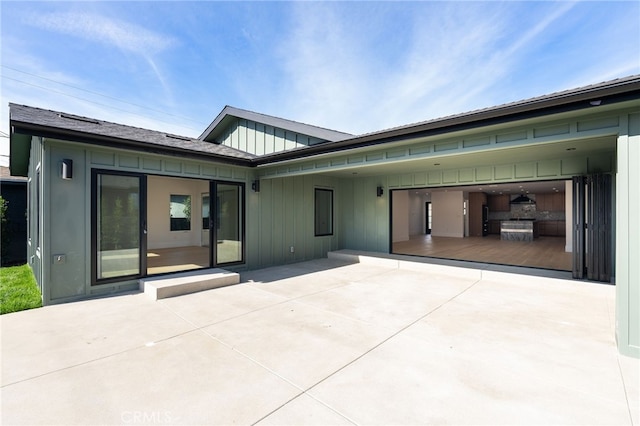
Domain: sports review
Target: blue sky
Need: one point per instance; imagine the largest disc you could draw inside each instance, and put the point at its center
(351, 66)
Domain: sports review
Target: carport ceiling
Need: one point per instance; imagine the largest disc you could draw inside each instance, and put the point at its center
(536, 187)
(556, 150)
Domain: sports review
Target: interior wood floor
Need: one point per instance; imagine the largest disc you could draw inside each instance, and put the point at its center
(160, 261)
(543, 252)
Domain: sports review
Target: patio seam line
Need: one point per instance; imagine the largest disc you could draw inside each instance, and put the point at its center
(229, 318)
(68, 367)
(624, 387)
(267, 306)
(131, 348)
(312, 397)
(397, 333)
(261, 365)
(305, 391)
(391, 329)
(295, 300)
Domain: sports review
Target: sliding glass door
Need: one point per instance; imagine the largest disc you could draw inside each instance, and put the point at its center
(228, 223)
(118, 234)
(186, 227)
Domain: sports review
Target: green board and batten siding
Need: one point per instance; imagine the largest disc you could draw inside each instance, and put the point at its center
(261, 139)
(281, 216)
(67, 208)
(628, 238)
(605, 125)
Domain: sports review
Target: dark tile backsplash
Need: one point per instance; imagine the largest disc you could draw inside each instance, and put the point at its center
(526, 211)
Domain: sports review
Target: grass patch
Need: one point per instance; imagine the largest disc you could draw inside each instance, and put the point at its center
(18, 289)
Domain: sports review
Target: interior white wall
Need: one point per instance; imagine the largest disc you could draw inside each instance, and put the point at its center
(416, 213)
(448, 220)
(159, 190)
(568, 215)
(400, 214)
(465, 215)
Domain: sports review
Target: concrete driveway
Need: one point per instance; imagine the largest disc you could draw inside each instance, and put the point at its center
(327, 342)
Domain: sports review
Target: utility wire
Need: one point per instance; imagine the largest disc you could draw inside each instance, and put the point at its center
(87, 100)
(103, 95)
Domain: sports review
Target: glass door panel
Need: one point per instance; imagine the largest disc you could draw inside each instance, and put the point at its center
(117, 226)
(229, 223)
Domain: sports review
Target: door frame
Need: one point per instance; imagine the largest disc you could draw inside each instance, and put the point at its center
(214, 222)
(427, 217)
(142, 229)
(143, 219)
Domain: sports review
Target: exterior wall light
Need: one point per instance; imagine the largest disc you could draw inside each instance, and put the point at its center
(66, 169)
(379, 191)
(255, 185)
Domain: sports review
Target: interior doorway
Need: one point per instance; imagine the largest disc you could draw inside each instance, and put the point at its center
(428, 217)
(447, 213)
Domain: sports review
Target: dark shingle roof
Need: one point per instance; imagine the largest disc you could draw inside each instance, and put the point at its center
(41, 122)
(44, 122)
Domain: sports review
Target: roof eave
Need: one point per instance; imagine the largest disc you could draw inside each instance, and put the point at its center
(563, 102)
(27, 128)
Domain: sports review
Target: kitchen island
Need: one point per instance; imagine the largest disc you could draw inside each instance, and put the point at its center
(518, 230)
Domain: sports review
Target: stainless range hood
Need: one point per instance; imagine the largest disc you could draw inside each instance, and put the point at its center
(522, 199)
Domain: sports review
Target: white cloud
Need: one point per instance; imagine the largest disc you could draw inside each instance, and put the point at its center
(457, 57)
(339, 80)
(34, 81)
(90, 26)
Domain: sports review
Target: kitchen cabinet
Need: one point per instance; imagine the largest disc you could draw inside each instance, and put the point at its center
(499, 203)
(552, 202)
(552, 228)
(494, 227)
(541, 203)
(557, 202)
(544, 228)
(562, 228)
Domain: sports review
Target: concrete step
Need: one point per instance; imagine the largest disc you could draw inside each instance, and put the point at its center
(187, 282)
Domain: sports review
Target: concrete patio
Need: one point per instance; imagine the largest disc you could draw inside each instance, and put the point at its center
(327, 342)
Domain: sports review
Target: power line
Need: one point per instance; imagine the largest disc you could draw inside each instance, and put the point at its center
(103, 95)
(87, 100)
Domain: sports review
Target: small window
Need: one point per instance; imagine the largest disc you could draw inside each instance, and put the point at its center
(180, 212)
(324, 212)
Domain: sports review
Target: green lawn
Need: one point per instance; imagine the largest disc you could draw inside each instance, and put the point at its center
(18, 289)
